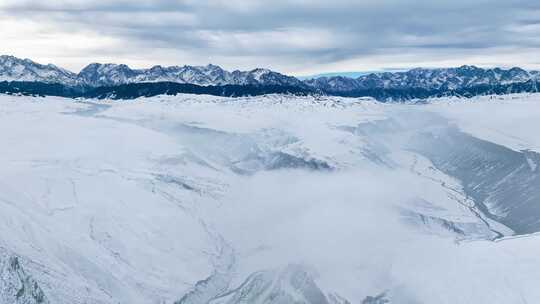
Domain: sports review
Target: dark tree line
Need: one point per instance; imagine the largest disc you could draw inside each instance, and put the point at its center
(134, 90)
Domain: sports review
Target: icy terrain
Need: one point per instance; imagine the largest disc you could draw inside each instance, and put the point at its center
(273, 199)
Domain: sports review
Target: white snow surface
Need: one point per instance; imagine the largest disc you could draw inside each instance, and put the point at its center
(140, 201)
(507, 120)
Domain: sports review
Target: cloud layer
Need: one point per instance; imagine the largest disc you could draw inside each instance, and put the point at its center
(298, 36)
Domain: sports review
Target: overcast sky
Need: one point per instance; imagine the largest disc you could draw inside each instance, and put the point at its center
(298, 37)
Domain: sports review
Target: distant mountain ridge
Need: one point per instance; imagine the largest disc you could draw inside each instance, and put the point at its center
(121, 81)
(430, 79)
(110, 74)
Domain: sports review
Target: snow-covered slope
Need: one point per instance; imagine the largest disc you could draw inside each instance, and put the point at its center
(274, 199)
(505, 120)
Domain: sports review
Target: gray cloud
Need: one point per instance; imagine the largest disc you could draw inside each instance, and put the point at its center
(295, 36)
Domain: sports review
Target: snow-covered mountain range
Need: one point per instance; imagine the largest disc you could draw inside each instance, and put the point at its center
(96, 74)
(416, 83)
(429, 79)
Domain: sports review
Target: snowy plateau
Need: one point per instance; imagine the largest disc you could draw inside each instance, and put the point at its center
(273, 199)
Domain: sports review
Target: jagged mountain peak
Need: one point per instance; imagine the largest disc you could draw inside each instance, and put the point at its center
(104, 66)
(106, 74)
(16, 69)
(467, 67)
